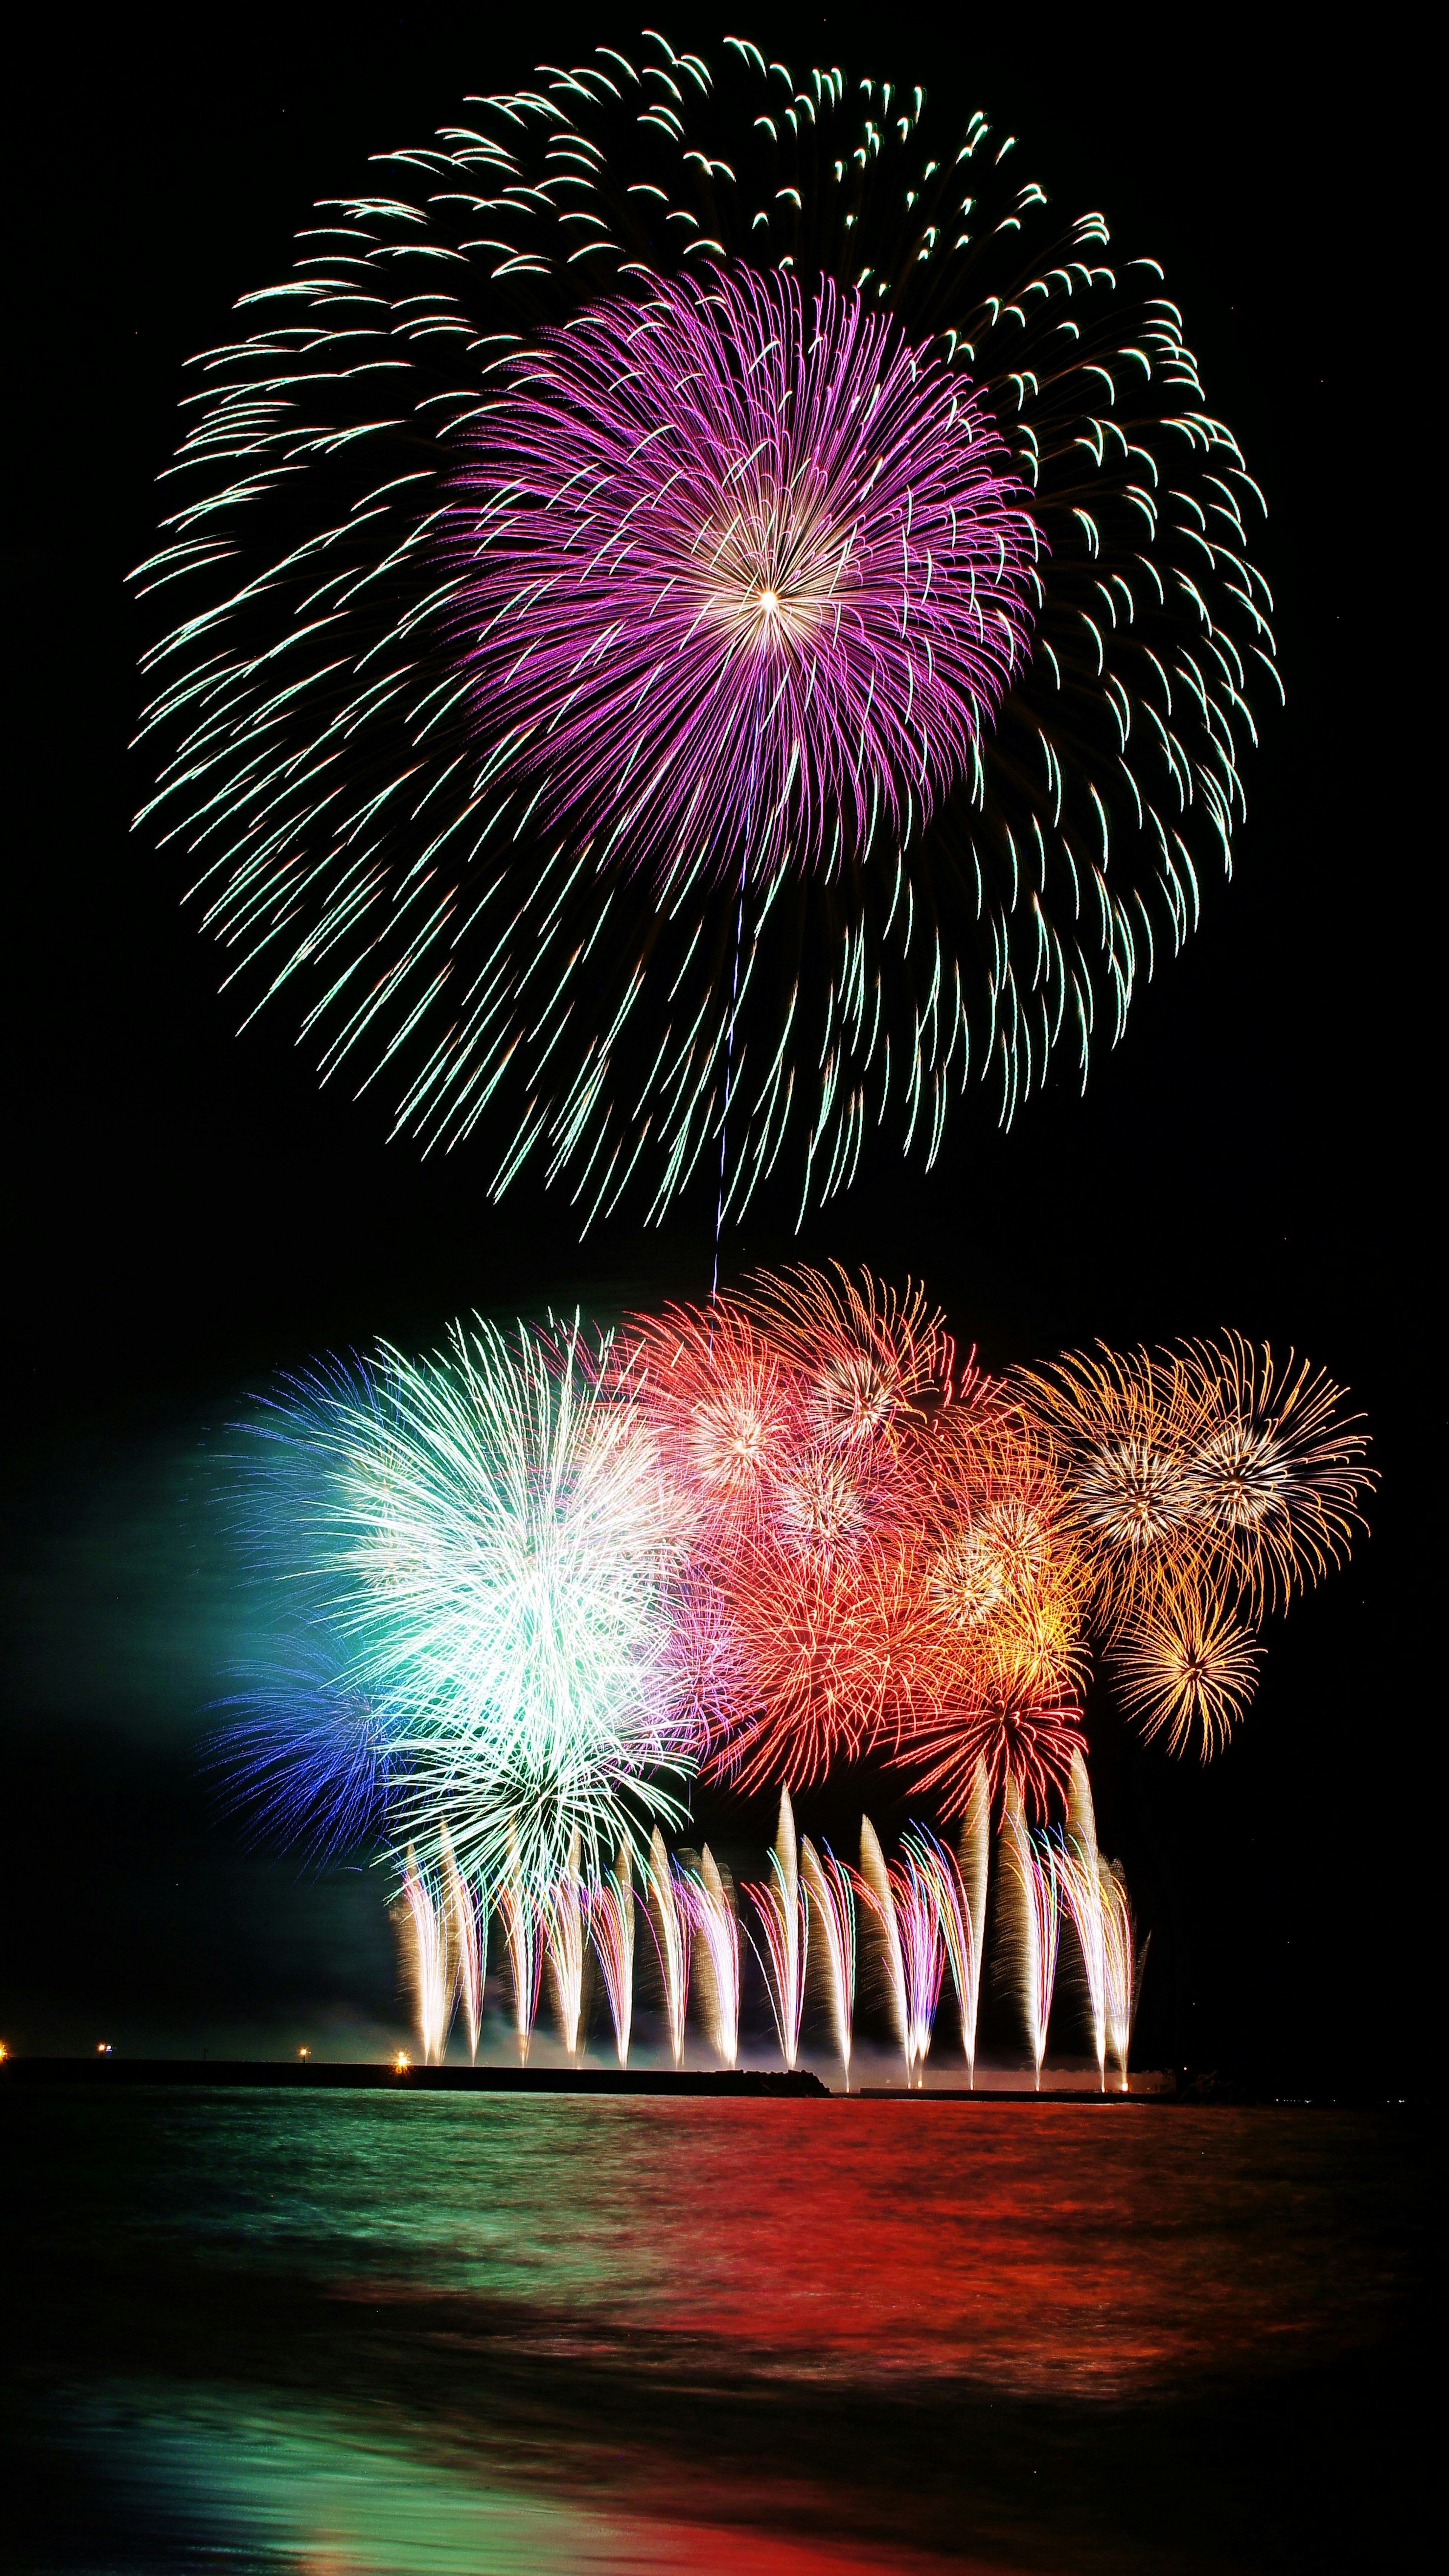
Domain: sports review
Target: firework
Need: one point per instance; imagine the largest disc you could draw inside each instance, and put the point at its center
(866, 1364)
(720, 1406)
(563, 1932)
(1123, 1964)
(491, 1541)
(310, 1756)
(1125, 1427)
(1201, 1463)
(611, 1929)
(1032, 1877)
(708, 618)
(1080, 1866)
(828, 1888)
(536, 1581)
(739, 576)
(709, 1897)
(878, 1895)
(1187, 1665)
(958, 1889)
(782, 1913)
(433, 1984)
(519, 1915)
(668, 1919)
(915, 1889)
(1276, 1470)
(467, 1917)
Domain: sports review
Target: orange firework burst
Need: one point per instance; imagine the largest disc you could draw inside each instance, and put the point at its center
(1276, 1470)
(1125, 1427)
(1187, 1664)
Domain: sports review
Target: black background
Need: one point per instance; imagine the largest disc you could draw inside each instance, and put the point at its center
(191, 1213)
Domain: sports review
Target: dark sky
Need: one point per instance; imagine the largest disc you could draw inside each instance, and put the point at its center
(191, 1214)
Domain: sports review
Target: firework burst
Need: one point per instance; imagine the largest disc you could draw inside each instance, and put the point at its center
(1277, 1468)
(1188, 1666)
(491, 1539)
(701, 593)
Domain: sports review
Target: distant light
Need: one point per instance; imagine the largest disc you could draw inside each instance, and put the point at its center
(400, 2064)
(4, 2052)
(103, 2048)
(304, 2052)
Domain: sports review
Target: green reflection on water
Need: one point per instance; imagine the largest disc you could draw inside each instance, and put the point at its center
(213, 2475)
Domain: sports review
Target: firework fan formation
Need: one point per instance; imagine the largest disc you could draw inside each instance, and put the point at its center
(541, 1581)
(707, 616)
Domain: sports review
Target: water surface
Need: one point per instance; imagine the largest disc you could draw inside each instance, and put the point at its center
(366, 2332)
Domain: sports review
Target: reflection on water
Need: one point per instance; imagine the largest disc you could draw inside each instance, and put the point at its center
(362, 2332)
(210, 2476)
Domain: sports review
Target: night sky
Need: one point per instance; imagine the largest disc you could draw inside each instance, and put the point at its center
(192, 1213)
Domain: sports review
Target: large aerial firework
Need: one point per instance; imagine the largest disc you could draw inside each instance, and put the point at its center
(707, 616)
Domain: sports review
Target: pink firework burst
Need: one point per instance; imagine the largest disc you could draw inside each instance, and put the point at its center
(742, 574)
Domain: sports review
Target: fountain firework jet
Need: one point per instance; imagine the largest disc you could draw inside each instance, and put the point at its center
(669, 1923)
(1122, 1964)
(975, 1853)
(519, 1914)
(827, 1886)
(468, 1928)
(784, 1927)
(611, 1929)
(923, 1951)
(708, 1895)
(431, 1969)
(875, 1887)
(942, 1874)
(1080, 1867)
(1031, 1873)
(563, 1932)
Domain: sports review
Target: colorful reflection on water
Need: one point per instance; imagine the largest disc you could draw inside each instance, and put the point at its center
(360, 2332)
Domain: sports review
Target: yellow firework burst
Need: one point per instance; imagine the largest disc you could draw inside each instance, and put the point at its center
(1276, 1470)
(1187, 1664)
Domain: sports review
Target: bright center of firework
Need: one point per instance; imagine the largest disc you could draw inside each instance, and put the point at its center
(736, 564)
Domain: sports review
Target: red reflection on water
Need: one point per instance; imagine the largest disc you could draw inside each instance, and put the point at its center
(1090, 2250)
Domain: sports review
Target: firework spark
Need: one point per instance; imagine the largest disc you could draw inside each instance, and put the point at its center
(564, 1940)
(1187, 1665)
(491, 1539)
(828, 1887)
(915, 1889)
(958, 1888)
(782, 1913)
(709, 1896)
(734, 559)
(1079, 1867)
(1032, 1878)
(432, 1979)
(1276, 1470)
(668, 1918)
(1123, 1964)
(878, 1896)
(655, 638)
(611, 1929)
(518, 1913)
(467, 1916)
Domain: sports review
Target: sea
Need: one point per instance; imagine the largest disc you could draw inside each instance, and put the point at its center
(385, 2334)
